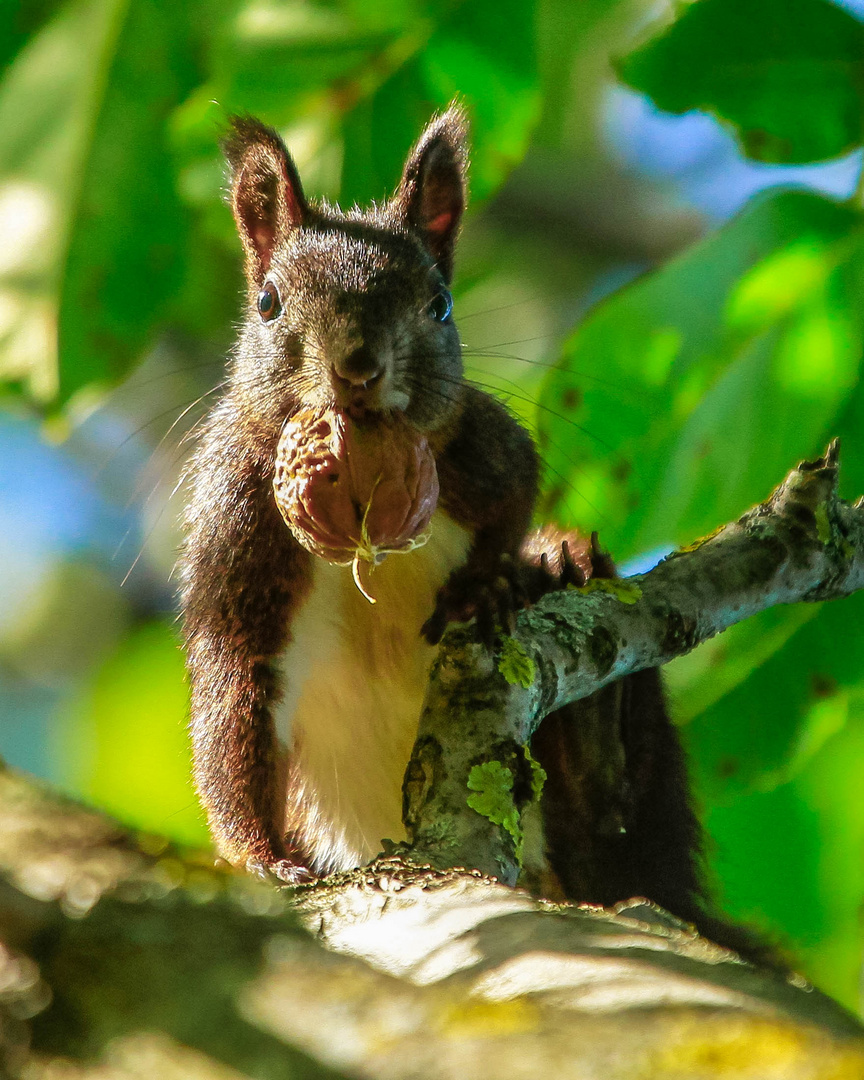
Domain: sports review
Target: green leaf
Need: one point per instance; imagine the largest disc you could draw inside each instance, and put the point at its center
(572, 79)
(127, 236)
(514, 663)
(768, 848)
(778, 717)
(787, 74)
(492, 784)
(778, 763)
(701, 678)
(494, 73)
(269, 56)
(702, 383)
(44, 98)
(124, 744)
(829, 788)
(808, 831)
(89, 214)
(19, 23)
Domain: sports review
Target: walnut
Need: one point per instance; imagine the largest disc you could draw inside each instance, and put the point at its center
(352, 491)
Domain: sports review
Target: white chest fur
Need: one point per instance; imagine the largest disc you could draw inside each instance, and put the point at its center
(354, 678)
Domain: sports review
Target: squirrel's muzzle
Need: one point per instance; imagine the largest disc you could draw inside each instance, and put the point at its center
(358, 382)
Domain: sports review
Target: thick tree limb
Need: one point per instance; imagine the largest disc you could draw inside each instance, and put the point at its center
(802, 544)
(121, 959)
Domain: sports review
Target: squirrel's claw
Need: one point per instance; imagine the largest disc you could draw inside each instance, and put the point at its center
(282, 870)
(569, 572)
(602, 565)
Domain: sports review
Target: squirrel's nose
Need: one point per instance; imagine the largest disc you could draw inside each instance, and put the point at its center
(357, 379)
(361, 368)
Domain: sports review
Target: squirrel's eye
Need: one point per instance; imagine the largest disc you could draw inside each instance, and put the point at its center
(440, 306)
(269, 304)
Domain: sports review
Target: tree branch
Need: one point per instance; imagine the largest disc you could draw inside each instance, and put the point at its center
(802, 544)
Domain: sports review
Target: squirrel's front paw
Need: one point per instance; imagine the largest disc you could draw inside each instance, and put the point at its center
(491, 595)
(556, 559)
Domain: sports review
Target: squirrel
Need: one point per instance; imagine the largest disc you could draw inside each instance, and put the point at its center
(305, 698)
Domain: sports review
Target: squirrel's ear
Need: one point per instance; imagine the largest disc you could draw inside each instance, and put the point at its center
(432, 192)
(266, 195)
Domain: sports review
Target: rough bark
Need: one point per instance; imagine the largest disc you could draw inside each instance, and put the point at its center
(123, 958)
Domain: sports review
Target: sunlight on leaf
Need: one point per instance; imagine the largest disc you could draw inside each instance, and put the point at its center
(778, 284)
(125, 746)
(661, 351)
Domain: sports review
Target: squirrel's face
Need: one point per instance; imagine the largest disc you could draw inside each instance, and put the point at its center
(354, 314)
(349, 310)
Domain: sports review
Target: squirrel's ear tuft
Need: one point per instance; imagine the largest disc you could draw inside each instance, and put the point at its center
(433, 189)
(266, 195)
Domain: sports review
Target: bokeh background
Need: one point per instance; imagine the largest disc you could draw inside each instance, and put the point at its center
(661, 271)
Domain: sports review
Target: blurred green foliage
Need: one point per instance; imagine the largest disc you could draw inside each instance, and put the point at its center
(108, 126)
(136, 762)
(786, 73)
(676, 404)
